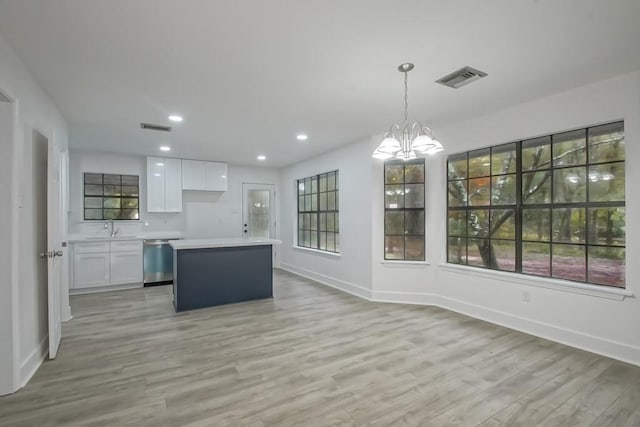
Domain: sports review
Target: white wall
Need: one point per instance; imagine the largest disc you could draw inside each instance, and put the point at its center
(595, 323)
(205, 214)
(34, 110)
(220, 214)
(351, 271)
(587, 320)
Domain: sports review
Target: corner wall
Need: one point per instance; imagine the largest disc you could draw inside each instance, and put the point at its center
(34, 110)
(585, 320)
(351, 271)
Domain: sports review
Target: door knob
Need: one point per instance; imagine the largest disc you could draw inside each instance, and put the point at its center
(44, 255)
(58, 253)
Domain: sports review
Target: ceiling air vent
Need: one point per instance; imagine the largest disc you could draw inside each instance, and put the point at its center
(155, 127)
(461, 77)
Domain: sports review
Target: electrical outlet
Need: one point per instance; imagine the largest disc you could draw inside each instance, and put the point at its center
(526, 296)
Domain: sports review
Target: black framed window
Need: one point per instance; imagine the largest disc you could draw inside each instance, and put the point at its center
(108, 196)
(404, 222)
(318, 212)
(551, 206)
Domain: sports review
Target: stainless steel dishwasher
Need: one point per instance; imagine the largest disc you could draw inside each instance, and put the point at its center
(157, 262)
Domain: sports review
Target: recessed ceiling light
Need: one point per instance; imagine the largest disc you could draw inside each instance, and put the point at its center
(175, 118)
(165, 148)
(261, 157)
(159, 164)
(302, 137)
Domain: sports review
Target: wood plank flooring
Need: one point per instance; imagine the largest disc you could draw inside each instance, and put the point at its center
(312, 356)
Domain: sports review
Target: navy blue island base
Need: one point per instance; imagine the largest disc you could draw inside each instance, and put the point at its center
(211, 276)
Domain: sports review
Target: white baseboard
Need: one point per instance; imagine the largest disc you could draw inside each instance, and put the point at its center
(329, 281)
(30, 365)
(107, 288)
(581, 340)
(599, 345)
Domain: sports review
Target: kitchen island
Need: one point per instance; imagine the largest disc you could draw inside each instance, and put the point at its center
(210, 272)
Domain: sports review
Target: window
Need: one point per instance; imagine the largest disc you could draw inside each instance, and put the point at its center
(404, 210)
(318, 225)
(552, 206)
(111, 197)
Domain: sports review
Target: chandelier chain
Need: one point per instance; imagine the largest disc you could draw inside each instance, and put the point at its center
(406, 98)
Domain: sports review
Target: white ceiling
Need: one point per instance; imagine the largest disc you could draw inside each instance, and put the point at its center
(249, 75)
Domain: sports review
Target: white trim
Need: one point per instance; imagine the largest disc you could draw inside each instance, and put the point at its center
(549, 283)
(404, 264)
(350, 288)
(599, 345)
(106, 288)
(30, 365)
(318, 251)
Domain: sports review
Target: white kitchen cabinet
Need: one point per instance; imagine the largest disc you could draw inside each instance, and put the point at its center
(164, 184)
(204, 176)
(215, 176)
(126, 267)
(193, 177)
(105, 263)
(91, 269)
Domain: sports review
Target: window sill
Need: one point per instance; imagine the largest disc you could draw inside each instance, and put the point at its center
(387, 263)
(319, 252)
(549, 283)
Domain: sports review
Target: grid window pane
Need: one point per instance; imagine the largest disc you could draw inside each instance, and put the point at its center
(606, 182)
(536, 187)
(536, 258)
(536, 154)
(606, 143)
(457, 166)
(404, 210)
(457, 252)
(568, 262)
(569, 148)
(318, 211)
(480, 163)
(607, 266)
(120, 201)
(551, 206)
(607, 226)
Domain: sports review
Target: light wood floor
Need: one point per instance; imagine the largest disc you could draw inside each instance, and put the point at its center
(312, 356)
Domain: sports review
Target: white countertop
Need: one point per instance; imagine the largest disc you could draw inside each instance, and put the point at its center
(221, 243)
(75, 238)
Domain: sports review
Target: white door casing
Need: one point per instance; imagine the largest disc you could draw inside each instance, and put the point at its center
(259, 212)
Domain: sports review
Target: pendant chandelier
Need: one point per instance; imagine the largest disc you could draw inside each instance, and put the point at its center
(409, 141)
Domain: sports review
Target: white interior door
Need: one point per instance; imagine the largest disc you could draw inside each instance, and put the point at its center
(54, 247)
(258, 212)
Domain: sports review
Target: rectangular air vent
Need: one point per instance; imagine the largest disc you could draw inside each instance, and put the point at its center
(461, 77)
(155, 127)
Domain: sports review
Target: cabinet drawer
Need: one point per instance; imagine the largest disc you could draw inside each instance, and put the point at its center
(126, 245)
(90, 247)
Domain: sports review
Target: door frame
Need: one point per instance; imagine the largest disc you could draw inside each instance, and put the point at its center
(274, 202)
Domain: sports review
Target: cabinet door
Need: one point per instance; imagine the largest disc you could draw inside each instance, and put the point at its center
(155, 184)
(126, 267)
(215, 176)
(173, 185)
(90, 270)
(193, 175)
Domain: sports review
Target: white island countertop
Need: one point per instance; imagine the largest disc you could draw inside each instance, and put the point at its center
(226, 242)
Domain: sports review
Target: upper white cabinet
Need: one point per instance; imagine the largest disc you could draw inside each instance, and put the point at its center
(164, 185)
(204, 176)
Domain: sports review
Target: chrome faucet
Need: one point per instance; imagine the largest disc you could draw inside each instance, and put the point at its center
(111, 224)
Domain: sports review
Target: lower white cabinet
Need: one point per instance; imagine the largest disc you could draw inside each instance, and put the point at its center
(104, 263)
(91, 270)
(126, 267)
